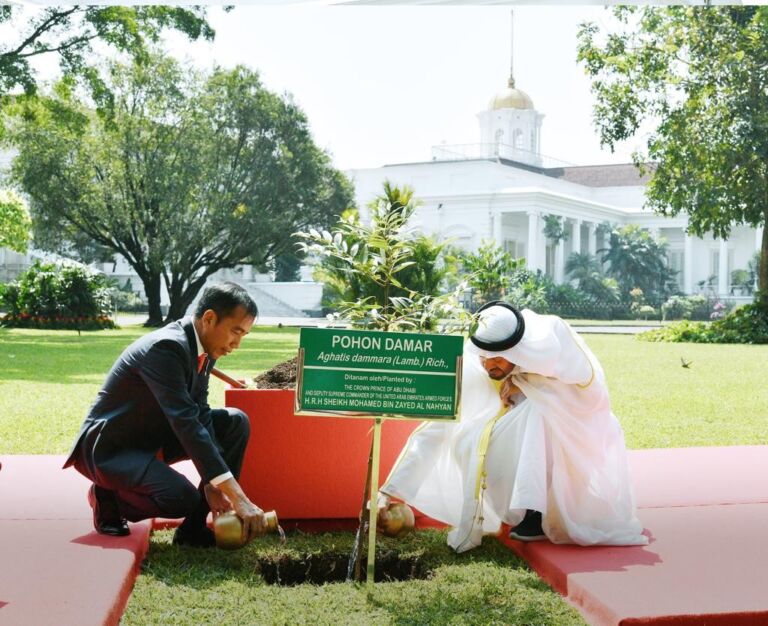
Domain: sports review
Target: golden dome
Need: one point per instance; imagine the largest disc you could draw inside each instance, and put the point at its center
(511, 98)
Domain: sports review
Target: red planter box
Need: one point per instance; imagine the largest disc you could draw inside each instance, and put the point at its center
(309, 467)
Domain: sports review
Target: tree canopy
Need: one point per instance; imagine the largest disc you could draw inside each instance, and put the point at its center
(70, 31)
(184, 175)
(699, 72)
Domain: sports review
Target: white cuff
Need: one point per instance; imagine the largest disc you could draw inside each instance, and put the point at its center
(221, 478)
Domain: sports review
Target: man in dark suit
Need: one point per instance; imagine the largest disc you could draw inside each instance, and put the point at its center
(153, 411)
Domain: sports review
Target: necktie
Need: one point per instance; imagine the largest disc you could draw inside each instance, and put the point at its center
(201, 360)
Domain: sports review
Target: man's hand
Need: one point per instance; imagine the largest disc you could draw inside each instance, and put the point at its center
(382, 505)
(254, 523)
(216, 500)
(509, 392)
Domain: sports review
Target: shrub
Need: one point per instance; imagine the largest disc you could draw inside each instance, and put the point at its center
(719, 309)
(646, 311)
(389, 277)
(64, 295)
(491, 271)
(701, 307)
(697, 307)
(747, 324)
(676, 308)
(417, 263)
(128, 302)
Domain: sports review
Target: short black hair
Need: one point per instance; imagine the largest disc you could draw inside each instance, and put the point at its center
(223, 298)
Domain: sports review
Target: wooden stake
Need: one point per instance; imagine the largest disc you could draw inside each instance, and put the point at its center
(360, 538)
(373, 511)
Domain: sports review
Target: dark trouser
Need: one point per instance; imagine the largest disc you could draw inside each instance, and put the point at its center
(164, 492)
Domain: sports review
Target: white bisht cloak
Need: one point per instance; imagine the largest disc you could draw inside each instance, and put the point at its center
(559, 451)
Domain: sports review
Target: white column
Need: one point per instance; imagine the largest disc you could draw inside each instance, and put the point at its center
(532, 253)
(759, 238)
(722, 270)
(688, 265)
(592, 239)
(497, 236)
(576, 236)
(560, 262)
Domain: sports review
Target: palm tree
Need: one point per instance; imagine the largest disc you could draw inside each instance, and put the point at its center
(584, 268)
(581, 267)
(636, 259)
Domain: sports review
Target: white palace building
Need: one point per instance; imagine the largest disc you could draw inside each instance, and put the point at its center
(501, 188)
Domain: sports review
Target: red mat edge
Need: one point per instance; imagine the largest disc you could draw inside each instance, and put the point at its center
(558, 582)
(119, 604)
(751, 618)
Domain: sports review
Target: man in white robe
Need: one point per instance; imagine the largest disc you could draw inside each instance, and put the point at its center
(549, 461)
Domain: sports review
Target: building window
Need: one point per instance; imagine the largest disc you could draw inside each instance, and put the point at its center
(676, 262)
(515, 248)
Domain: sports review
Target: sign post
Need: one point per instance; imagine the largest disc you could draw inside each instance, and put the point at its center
(372, 509)
(384, 375)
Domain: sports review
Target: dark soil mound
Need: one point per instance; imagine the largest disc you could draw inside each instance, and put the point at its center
(281, 376)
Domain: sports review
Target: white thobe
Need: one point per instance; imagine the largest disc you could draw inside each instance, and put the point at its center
(559, 451)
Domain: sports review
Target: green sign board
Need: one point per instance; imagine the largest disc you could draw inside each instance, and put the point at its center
(364, 373)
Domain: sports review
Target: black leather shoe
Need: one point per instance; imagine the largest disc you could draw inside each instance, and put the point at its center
(529, 529)
(197, 538)
(106, 517)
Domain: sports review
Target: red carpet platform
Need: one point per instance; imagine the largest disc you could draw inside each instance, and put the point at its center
(705, 511)
(55, 568)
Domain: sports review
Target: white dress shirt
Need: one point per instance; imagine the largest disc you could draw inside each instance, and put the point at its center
(217, 480)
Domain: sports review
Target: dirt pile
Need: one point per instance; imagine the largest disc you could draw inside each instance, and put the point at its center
(281, 376)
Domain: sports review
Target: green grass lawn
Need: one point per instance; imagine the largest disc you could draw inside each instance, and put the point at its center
(48, 379)
(487, 585)
(720, 399)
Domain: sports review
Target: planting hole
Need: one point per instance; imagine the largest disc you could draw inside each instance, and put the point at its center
(318, 569)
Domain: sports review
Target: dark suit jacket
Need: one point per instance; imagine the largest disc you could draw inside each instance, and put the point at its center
(153, 399)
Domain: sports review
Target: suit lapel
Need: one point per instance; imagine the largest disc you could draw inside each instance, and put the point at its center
(189, 331)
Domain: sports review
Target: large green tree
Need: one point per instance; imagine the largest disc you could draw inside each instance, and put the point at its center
(699, 73)
(184, 175)
(14, 222)
(70, 31)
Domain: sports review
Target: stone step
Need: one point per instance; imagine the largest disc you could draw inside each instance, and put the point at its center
(269, 305)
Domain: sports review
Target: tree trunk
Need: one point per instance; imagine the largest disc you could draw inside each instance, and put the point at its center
(182, 296)
(177, 307)
(152, 289)
(762, 280)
